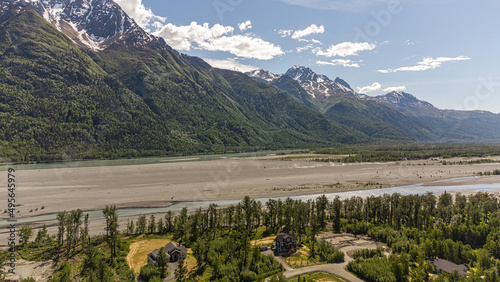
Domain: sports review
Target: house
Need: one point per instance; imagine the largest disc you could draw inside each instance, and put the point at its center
(442, 265)
(285, 244)
(173, 252)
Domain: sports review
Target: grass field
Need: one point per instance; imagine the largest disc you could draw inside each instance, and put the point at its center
(302, 259)
(317, 277)
(137, 257)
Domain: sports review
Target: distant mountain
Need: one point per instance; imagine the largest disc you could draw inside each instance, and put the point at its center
(263, 75)
(393, 116)
(404, 100)
(319, 86)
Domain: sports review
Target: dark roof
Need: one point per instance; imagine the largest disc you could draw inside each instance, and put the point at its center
(448, 266)
(154, 254)
(168, 249)
(282, 236)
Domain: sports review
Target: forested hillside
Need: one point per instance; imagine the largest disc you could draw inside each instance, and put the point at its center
(61, 102)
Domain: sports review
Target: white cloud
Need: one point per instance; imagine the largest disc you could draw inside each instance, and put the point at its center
(244, 46)
(182, 37)
(245, 25)
(143, 16)
(340, 62)
(312, 29)
(218, 38)
(285, 32)
(395, 88)
(305, 48)
(230, 64)
(345, 49)
(372, 88)
(427, 63)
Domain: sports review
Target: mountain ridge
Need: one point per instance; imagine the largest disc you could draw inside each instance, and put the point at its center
(150, 98)
(403, 111)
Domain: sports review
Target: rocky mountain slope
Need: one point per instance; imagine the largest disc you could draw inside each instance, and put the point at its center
(390, 116)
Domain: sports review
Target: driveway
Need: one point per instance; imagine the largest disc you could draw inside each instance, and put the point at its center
(338, 269)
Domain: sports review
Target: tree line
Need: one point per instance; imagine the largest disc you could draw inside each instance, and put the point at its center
(417, 228)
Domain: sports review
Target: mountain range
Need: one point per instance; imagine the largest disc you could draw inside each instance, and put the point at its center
(396, 115)
(80, 79)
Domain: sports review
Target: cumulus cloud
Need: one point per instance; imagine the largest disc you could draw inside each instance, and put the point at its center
(143, 16)
(345, 49)
(427, 63)
(372, 88)
(244, 46)
(395, 88)
(182, 37)
(245, 25)
(340, 62)
(230, 64)
(218, 38)
(312, 29)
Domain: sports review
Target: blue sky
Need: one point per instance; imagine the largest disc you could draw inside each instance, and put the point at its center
(441, 51)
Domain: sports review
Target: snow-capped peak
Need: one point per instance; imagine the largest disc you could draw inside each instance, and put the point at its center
(263, 75)
(94, 24)
(405, 100)
(319, 86)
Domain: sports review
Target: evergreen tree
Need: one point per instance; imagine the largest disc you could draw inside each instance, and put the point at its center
(161, 263)
(85, 232)
(130, 227)
(181, 271)
(61, 217)
(152, 224)
(25, 233)
(111, 216)
(141, 225)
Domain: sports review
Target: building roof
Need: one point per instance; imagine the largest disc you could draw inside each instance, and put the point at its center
(448, 266)
(282, 237)
(169, 249)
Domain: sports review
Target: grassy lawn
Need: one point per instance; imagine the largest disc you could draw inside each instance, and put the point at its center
(139, 250)
(317, 277)
(301, 260)
(260, 238)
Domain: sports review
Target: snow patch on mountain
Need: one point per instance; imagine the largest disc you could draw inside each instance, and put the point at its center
(263, 75)
(405, 100)
(319, 86)
(93, 24)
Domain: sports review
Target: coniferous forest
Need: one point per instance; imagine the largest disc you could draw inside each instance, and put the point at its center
(416, 228)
